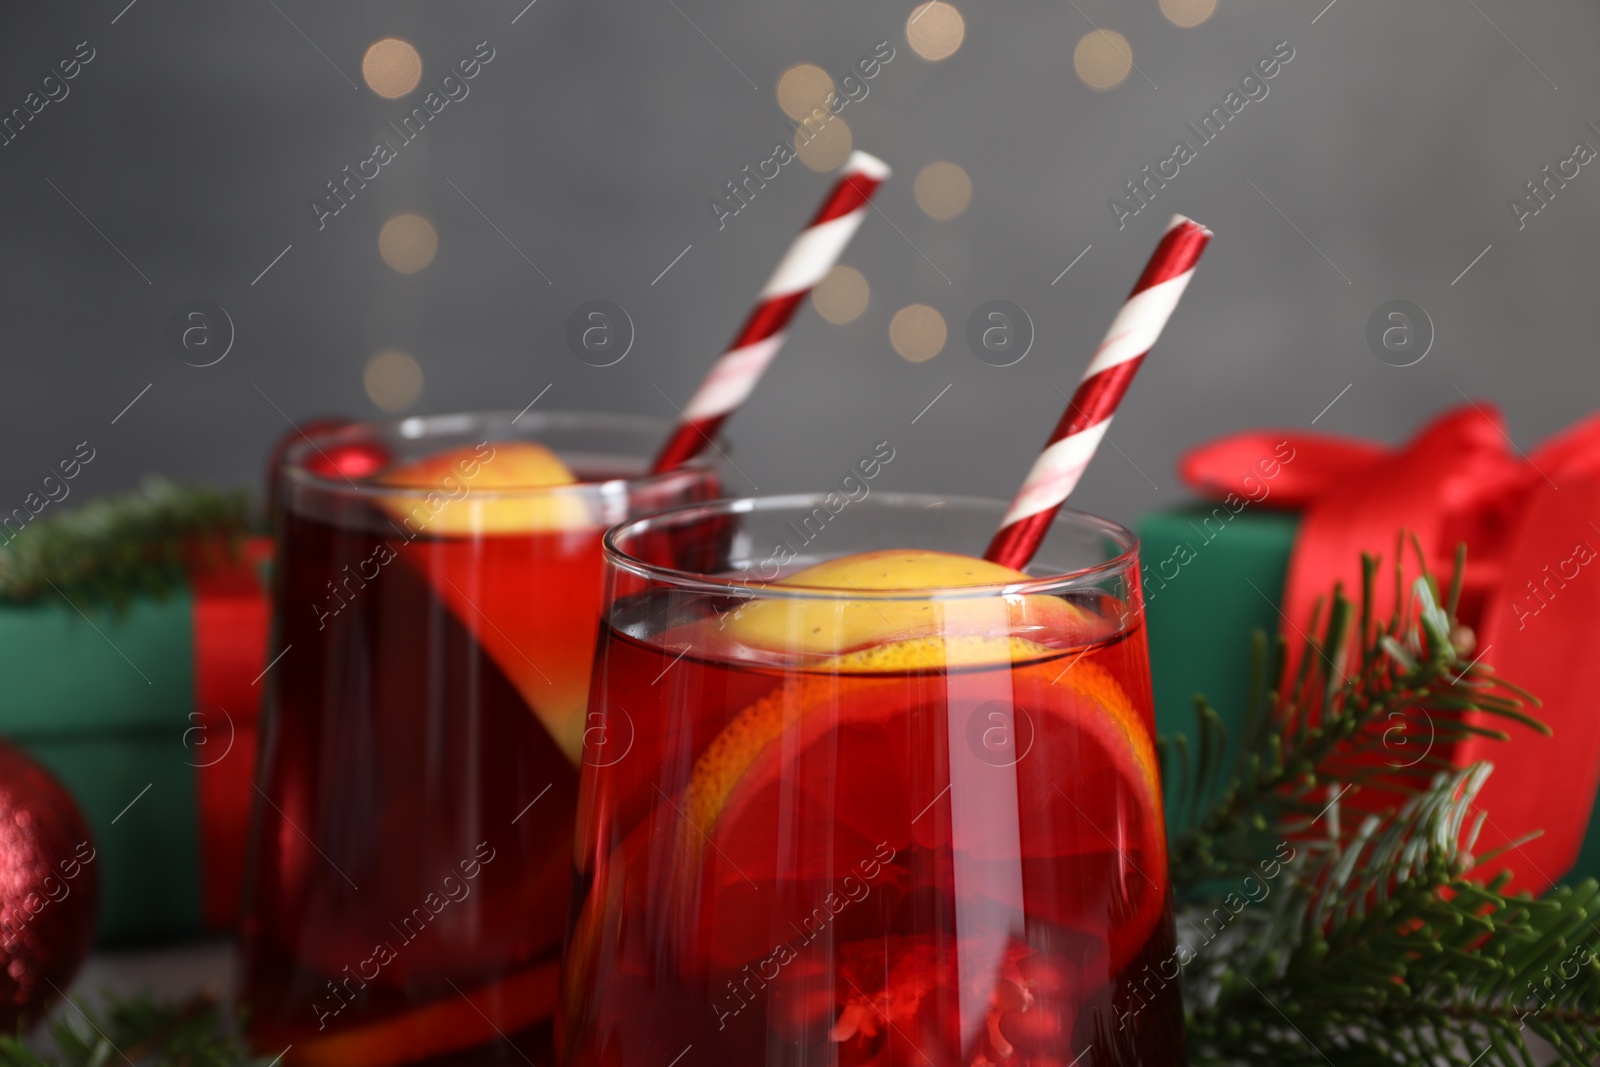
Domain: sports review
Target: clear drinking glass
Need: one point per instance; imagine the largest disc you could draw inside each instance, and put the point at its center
(410, 859)
(852, 826)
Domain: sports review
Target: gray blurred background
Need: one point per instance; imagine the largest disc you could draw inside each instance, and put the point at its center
(185, 154)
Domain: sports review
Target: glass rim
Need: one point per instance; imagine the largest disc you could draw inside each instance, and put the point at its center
(417, 427)
(617, 556)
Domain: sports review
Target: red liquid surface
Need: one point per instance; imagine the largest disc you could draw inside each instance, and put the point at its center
(785, 864)
(411, 862)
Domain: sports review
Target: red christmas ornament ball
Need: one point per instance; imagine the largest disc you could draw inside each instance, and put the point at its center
(49, 889)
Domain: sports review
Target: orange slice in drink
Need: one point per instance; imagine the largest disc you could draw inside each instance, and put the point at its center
(519, 570)
(838, 763)
(831, 772)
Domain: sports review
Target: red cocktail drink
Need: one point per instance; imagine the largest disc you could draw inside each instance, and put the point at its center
(436, 617)
(880, 807)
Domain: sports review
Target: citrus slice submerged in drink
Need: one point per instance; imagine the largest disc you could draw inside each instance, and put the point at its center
(808, 785)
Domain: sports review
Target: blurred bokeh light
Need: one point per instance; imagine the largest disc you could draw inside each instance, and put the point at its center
(943, 190)
(917, 332)
(803, 88)
(827, 148)
(408, 243)
(842, 296)
(391, 68)
(935, 30)
(1102, 59)
(393, 380)
(1188, 12)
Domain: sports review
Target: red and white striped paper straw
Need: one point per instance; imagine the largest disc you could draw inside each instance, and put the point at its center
(1133, 333)
(808, 260)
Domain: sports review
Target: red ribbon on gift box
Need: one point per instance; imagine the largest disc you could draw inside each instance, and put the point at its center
(231, 616)
(1531, 592)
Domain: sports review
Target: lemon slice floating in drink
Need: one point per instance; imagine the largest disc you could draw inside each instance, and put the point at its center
(479, 491)
(829, 626)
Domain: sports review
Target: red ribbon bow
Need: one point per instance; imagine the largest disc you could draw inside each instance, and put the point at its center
(1531, 591)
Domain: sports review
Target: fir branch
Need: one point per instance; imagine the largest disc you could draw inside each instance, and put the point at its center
(114, 548)
(1369, 703)
(1377, 946)
(140, 1031)
(1381, 950)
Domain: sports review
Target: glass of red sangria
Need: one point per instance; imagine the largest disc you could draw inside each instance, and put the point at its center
(437, 597)
(851, 796)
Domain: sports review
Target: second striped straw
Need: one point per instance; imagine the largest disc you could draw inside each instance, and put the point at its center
(1133, 333)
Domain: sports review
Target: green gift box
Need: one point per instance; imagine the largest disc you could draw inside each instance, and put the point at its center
(146, 712)
(1200, 611)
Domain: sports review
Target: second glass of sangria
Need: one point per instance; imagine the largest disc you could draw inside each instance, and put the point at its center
(437, 596)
